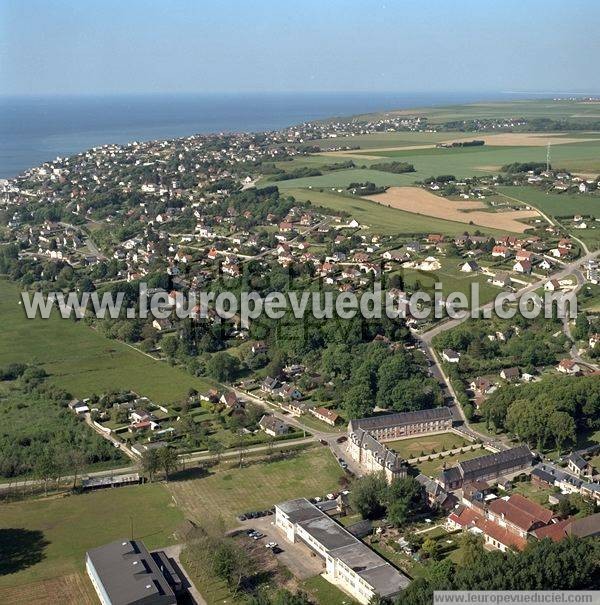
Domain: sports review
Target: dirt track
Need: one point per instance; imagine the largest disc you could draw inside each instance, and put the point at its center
(420, 201)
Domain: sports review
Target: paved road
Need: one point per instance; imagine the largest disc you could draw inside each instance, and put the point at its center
(426, 338)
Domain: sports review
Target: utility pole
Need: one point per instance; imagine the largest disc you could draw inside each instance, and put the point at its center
(548, 157)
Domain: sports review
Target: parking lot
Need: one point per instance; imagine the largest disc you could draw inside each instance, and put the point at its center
(297, 557)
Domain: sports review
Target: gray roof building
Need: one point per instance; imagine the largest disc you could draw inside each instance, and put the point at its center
(402, 418)
(125, 573)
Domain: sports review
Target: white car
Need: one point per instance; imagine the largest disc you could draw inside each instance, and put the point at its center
(270, 544)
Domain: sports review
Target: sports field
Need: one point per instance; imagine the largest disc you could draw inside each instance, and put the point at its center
(420, 201)
(227, 493)
(46, 540)
(81, 360)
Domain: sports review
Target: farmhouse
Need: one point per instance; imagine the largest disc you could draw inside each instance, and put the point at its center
(124, 572)
(486, 468)
(501, 279)
(349, 564)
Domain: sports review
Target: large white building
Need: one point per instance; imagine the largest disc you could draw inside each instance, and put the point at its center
(349, 564)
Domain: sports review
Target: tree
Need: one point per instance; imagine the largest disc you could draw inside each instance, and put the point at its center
(169, 345)
(216, 448)
(368, 494)
(404, 497)
(150, 463)
(223, 366)
(168, 460)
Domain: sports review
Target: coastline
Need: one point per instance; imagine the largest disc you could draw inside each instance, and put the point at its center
(34, 130)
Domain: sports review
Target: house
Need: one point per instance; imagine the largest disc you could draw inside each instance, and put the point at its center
(569, 366)
(522, 255)
(552, 285)
(272, 425)
(579, 466)
(501, 279)
(325, 415)
(269, 385)
(395, 255)
(519, 514)
(289, 392)
(501, 252)
(435, 495)
(231, 401)
(594, 340)
(79, 407)
(259, 347)
(124, 572)
(522, 266)
(494, 536)
(510, 374)
(470, 267)
(450, 356)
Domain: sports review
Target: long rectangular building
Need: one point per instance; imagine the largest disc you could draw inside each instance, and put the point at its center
(388, 427)
(349, 563)
(487, 468)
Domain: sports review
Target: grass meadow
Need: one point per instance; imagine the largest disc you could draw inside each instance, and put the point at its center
(228, 491)
(48, 538)
(81, 360)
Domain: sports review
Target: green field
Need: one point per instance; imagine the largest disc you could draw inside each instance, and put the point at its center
(387, 139)
(475, 161)
(462, 162)
(380, 218)
(556, 204)
(228, 492)
(412, 448)
(542, 108)
(81, 360)
(55, 533)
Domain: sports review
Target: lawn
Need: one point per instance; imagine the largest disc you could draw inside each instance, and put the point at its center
(412, 448)
(377, 217)
(227, 492)
(81, 360)
(325, 593)
(432, 468)
(533, 492)
(48, 538)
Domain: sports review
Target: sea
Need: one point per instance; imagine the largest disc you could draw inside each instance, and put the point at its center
(34, 130)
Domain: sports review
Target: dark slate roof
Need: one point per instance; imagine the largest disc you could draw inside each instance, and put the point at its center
(130, 575)
(501, 460)
(392, 420)
(451, 475)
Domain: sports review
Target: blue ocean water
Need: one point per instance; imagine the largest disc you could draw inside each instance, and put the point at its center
(35, 130)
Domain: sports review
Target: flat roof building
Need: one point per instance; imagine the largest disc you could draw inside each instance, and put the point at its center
(125, 573)
(349, 564)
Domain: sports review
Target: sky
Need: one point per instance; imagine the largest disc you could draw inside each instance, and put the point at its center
(136, 46)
